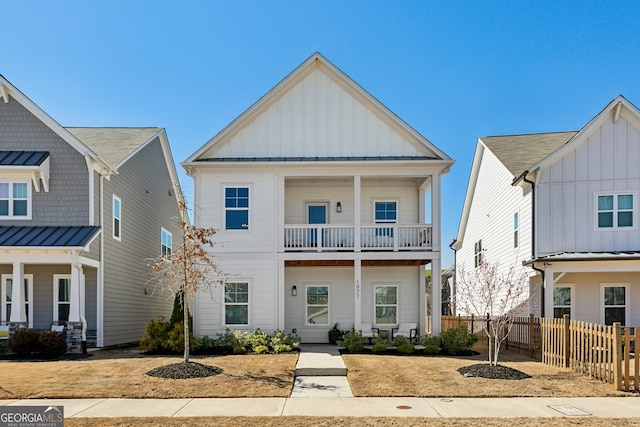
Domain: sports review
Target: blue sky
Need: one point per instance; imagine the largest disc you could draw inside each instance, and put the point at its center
(454, 71)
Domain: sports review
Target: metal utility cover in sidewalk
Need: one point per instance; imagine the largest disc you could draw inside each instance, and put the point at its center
(570, 410)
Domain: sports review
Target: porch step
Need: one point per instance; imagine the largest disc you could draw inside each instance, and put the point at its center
(320, 360)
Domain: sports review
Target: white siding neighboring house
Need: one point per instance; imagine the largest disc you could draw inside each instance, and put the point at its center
(320, 195)
(81, 213)
(576, 199)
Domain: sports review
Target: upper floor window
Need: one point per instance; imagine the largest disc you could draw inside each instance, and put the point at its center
(236, 207)
(386, 212)
(166, 243)
(117, 218)
(615, 210)
(516, 228)
(15, 200)
(477, 253)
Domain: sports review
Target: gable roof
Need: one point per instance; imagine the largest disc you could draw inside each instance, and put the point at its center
(524, 154)
(315, 62)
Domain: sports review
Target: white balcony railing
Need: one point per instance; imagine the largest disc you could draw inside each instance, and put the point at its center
(328, 237)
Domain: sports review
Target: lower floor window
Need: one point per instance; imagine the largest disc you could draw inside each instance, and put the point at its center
(615, 304)
(386, 302)
(561, 301)
(236, 303)
(317, 305)
(61, 297)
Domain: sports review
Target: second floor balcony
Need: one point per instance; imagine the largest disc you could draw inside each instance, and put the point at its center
(374, 237)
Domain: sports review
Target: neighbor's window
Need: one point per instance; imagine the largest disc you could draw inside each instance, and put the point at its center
(516, 228)
(615, 210)
(561, 301)
(61, 297)
(117, 218)
(15, 200)
(386, 304)
(236, 303)
(477, 251)
(317, 305)
(236, 206)
(165, 243)
(615, 304)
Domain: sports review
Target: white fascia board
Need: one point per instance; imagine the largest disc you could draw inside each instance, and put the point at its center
(471, 188)
(596, 266)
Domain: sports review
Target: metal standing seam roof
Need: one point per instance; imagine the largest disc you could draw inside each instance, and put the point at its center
(47, 236)
(23, 158)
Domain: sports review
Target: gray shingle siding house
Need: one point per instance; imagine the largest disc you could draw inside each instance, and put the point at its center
(82, 211)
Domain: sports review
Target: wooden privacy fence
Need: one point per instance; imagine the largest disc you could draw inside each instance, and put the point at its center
(524, 337)
(606, 353)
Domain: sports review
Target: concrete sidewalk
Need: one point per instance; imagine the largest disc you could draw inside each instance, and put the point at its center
(609, 407)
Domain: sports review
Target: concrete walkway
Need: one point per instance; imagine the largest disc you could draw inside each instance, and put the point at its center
(608, 407)
(320, 372)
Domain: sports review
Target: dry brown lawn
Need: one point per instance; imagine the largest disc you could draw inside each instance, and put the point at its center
(121, 373)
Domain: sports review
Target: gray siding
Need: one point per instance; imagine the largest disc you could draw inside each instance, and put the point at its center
(67, 202)
(147, 204)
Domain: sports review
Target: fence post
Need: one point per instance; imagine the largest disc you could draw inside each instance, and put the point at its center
(531, 338)
(473, 331)
(617, 356)
(566, 337)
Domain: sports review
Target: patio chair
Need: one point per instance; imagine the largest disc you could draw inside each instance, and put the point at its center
(369, 332)
(409, 330)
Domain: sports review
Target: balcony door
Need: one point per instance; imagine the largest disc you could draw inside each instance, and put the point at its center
(316, 214)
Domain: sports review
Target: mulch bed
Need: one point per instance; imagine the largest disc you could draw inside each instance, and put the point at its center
(184, 371)
(499, 372)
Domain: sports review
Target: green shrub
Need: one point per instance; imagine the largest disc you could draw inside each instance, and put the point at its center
(206, 343)
(52, 344)
(155, 335)
(175, 339)
(403, 345)
(239, 349)
(431, 345)
(379, 347)
(352, 341)
(457, 340)
(282, 343)
(23, 342)
(257, 339)
(261, 349)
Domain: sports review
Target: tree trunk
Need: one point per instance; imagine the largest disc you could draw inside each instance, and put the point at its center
(186, 327)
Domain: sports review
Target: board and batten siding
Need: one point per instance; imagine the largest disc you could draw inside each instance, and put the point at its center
(316, 117)
(494, 202)
(408, 279)
(263, 206)
(607, 161)
(148, 204)
(67, 202)
(261, 274)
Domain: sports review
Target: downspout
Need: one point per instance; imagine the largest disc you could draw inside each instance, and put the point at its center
(100, 291)
(533, 238)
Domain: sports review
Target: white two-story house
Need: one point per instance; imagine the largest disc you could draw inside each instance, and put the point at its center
(564, 205)
(327, 207)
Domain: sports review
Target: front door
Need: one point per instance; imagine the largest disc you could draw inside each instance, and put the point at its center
(316, 214)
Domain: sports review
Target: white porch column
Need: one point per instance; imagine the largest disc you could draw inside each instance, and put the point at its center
(74, 294)
(356, 212)
(357, 280)
(281, 294)
(18, 312)
(83, 317)
(548, 293)
(436, 297)
(280, 191)
(435, 212)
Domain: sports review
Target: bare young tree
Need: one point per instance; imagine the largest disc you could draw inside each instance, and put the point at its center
(486, 290)
(189, 268)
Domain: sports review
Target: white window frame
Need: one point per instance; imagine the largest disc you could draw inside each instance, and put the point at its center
(307, 305)
(3, 297)
(225, 208)
(11, 199)
(117, 218)
(615, 210)
(226, 304)
(478, 253)
(386, 221)
(571, 297)
(56, 294)
(627, 301)
(396, 305)
(163, 252)
(516, 229)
